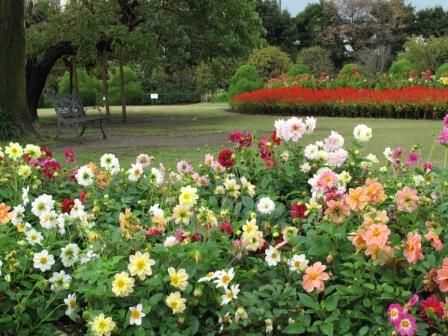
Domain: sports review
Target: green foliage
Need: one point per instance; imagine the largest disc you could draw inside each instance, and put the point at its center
(431, 22)
(298, 69)
(317, 59)
(280, 27)
(400, 69)
(270, 62)
(245, 79)
(351, 72)
(134, 91)
(222, 97)
(89, 87)
(442, 71)
(426, 53)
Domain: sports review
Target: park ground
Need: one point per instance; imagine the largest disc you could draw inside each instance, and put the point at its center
(175, 132)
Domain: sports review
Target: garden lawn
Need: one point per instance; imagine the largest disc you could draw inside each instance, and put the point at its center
(171, 133)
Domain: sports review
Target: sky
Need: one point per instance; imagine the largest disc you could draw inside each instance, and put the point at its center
(296, 6)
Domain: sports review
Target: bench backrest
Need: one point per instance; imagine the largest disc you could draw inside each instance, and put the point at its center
(68, 107)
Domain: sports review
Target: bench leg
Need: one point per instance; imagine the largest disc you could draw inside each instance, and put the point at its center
(102, 130)
(58, 131)
(83, 130)
(79, 134)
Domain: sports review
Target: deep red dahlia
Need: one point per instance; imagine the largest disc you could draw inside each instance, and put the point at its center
(46, 152)
(226, 227)
(225, 158)
(276, 140)
(69, 155)
(298, 210)
(67, 205)
(242, 139)
(83, 196)
(431, 305)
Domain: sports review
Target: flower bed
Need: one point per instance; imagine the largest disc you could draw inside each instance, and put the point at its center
(411, 102)
(269, 237)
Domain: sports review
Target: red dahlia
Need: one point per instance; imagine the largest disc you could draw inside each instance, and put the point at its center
(431, 305)
(225, 158)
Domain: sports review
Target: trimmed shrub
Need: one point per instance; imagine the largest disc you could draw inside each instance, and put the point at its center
(89, 87)
(174, 95)
(442, 71)
(134, 91)
(351, 72)
(222, 97)
(270, 62)
(400, 68)
(317, 60)
(298, 69)
(246, 79)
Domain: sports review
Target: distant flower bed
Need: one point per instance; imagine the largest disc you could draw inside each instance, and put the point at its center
(267, 237)
(411, 102)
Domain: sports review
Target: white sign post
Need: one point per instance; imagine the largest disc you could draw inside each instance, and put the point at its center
(154, 98)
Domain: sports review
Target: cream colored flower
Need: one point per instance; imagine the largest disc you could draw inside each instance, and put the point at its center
(102, 325)
(188, 196)
(178, 278)
(140, 265)
(223, 278)
(14, 151)
(123, 284)
(176, 303)
(136, 315)
(181, 214)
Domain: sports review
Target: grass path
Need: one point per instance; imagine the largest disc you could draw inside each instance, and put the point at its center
(171, 133)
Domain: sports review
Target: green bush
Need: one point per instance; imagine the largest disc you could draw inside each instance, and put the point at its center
(442, 70)
(426, 53)
(298, 69)
(89, 87)
(270, 62)
(222, 97)
(134, 91)
(349, 71)
(173, 95)
(400, 68)
(246, 79)
(317, 59)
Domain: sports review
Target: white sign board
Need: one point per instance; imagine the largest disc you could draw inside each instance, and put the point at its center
(154, 96)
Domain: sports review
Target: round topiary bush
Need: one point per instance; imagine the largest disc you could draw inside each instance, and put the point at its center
(400, 68)
(134, 91)
(245, 79)
(89, 87)
(298, 69)
(351, 71)
(442, 71)
(270, 62)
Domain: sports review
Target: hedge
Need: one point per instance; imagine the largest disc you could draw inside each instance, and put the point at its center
(413, 102)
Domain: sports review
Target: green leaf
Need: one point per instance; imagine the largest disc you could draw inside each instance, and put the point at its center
(327, 328)
(331, 302)
(248, 202)
(294, 329)
(363, 331)
(308, 302)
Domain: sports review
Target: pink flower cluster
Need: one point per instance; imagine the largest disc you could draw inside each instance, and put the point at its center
(443, 136)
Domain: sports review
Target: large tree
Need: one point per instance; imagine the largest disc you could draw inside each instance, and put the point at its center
(431, 22)
(280, 26)
(13, 109)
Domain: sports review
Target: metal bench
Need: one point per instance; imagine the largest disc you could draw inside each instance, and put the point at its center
(71, 113)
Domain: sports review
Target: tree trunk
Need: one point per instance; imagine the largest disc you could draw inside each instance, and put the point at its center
(122, 87)
(75, 76)
(37, 70)
(105, 84)
(14, 119)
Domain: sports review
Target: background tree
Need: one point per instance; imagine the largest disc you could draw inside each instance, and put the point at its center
(281, 30)
(13, 110)
(317, 60)
(307, 24)
(431, 22)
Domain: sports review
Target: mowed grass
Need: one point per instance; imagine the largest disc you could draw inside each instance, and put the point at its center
(168, 133)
